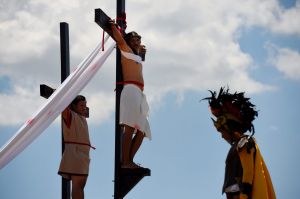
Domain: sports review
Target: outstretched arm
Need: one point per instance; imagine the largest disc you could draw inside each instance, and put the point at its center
(66, 115)
(119, 38)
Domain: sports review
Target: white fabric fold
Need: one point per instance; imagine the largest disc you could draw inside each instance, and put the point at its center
(132, 56)
(55, 104)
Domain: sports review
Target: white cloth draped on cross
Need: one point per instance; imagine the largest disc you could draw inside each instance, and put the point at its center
(56, 103)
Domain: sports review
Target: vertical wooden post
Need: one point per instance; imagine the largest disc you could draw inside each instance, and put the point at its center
(119, 78)
(65, 72)
(125, 179)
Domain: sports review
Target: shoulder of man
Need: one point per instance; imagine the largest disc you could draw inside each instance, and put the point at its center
(246, 142)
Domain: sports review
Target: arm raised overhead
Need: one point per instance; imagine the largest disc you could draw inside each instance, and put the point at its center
(119, 38)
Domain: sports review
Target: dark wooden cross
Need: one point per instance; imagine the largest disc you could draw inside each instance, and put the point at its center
(46, 91)
(125, 179)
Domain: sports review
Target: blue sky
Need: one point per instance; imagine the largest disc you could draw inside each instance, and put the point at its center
(192, 47)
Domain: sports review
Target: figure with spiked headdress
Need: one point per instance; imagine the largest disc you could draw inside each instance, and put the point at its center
(246, 175)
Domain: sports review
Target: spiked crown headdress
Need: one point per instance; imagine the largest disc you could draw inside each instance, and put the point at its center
(236, 108)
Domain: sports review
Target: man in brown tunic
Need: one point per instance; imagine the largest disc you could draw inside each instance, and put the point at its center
(75, 161)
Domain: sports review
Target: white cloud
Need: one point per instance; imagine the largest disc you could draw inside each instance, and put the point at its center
(287, 61)
(287, 21)
(23, 104)
(18, 107)
(29, 30)
(192, 45)
(103, 107)
(24, 34)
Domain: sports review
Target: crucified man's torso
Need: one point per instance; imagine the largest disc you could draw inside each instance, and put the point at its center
(132, 70)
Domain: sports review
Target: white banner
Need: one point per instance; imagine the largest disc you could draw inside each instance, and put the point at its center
(56, 103)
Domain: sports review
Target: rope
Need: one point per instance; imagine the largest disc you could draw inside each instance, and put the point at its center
(121, 18)
(80, 143)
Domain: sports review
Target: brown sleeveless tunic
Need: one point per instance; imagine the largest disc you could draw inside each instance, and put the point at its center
(75, 159)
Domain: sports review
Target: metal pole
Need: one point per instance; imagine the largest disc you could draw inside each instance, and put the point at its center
(119, 78)
(65, 72)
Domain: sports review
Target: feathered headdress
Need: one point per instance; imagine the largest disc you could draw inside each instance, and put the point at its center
(232, 107)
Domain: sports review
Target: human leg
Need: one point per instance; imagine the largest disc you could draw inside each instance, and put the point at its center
(136, 143)
(78, 184)
(126, 146)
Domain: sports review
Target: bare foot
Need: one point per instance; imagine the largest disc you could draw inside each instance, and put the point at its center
(130, 165)
(137, 165)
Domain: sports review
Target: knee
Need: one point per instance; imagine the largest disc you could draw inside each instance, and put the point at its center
(140, 134)
(127, 129)
(78, 184)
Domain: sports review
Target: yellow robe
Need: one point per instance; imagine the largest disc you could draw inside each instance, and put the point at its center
(255, 173)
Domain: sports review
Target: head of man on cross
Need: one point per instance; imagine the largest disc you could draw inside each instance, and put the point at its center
(133, 40)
